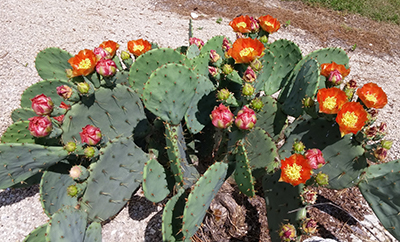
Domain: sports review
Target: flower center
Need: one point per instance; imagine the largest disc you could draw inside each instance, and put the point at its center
(371, 97)
(241, 25)
(108, 49)
(269, 24)
(138, 47)
(85, 64)
(246, 51)
(293, 172)
(349, 119)
(329, 103)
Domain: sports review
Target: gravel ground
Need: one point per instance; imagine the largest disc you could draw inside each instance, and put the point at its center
(29, 26)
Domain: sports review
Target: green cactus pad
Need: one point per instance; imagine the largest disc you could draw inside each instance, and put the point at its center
(344, 157)
(200, 64)
(48, 88)
(261, 153)
(381, 188)
(192, 52)
(201, 196)
(18, 162)
(18, 132)
(142, 68)
(93, 233)
(283, 203)
(113, 179)
(271, 119)
(266, 73)
(52, 62)
(22, 114)
(302, 84)
(172, 217)
(242, 174)
(37, 235)
(155, 186)
(116, 112)
(327, 55)
(53, 191)
(169, 92)
(68, 224)
(215, 43)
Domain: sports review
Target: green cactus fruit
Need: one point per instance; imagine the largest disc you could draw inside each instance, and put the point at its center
(169, 92)
(37, 235)
(78, 173)
(51, 63)
(142, 68)
(116, 112)
(283, 203)
(113, 179)
(171, 227)
(93, 233)
(67, 224)
(155, 186)
(22, 114)
(21, 161)
(380, 187)
(53, 191)
(48, 88)
(242, 174)
(302, 84)
(201, 196)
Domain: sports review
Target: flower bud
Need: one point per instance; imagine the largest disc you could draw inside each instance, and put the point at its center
(106, 67)
(383, 128)
(380, 153)
(370, 132)
(249, 75)
(298, 147)
(125, 55)
(264, 39)
(40, 126)
(42, 105)
(256, 104)
(386, 144)
(315, 158)
(255, 26)
(223, 94)
(101, 53)
(72, 191)
(309, 226)
(196, 41)
(70, 146)
(256, 65)
(308, 197)
(246, 118)
(287, 233)
(308, 102)
(213, 71)
(83, 87)
(89, 151)
(214, 56)
(335, 77)
(64, 91)
(90, 135)
(78, 173)
(225, 44)
(248, 90)
(322, 179)
(227, 69)
(221, 117)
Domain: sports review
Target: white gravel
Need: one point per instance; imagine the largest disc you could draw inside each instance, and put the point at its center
(29, 26)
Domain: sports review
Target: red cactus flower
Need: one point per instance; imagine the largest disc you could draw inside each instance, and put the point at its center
(315, 158)
(42, 104)
(372, 95)
(245, 50)
(269, 24)
(221, 117)
(246, 118)
(40, 126)
(110, 46)
(90, 135)
(106, 67)
(295, 170)
(196, 41)
(327, 68)
(351, 118)
(101, 53)
(138, 47)
(331, 100)
(241, 24)
(83, 63)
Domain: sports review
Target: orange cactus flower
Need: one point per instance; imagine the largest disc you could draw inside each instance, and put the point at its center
(295, 169)
(331, 100)
(241, 24)
(138, 47)
(351, 118)
(327, 68)
(245, 50)
(372, 95)
(269, 24)
(110, 46)
(83, 63)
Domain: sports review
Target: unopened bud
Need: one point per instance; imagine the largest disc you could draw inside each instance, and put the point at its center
(227, 69)
(248, 89)
(70, 146)
(226, 45)
(335, 77)
(83, 87)
(298, 147)
(309, 226)
(308, 197)
(287, 233)
(223, 94)
(125, 55)
(214, 56)
(78, 173)
(386, 144)
(308, 102)
(256, 104)
(72, 190)
(264, 39)
(89, 151)
(213, 71)
(249, 75)
(322, 179)
(256, 65)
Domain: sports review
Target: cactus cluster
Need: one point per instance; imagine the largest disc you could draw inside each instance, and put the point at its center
(104, 130)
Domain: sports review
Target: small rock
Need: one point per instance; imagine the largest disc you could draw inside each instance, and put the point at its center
(194, 15)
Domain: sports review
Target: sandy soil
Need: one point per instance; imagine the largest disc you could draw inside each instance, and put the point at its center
(29, 26)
